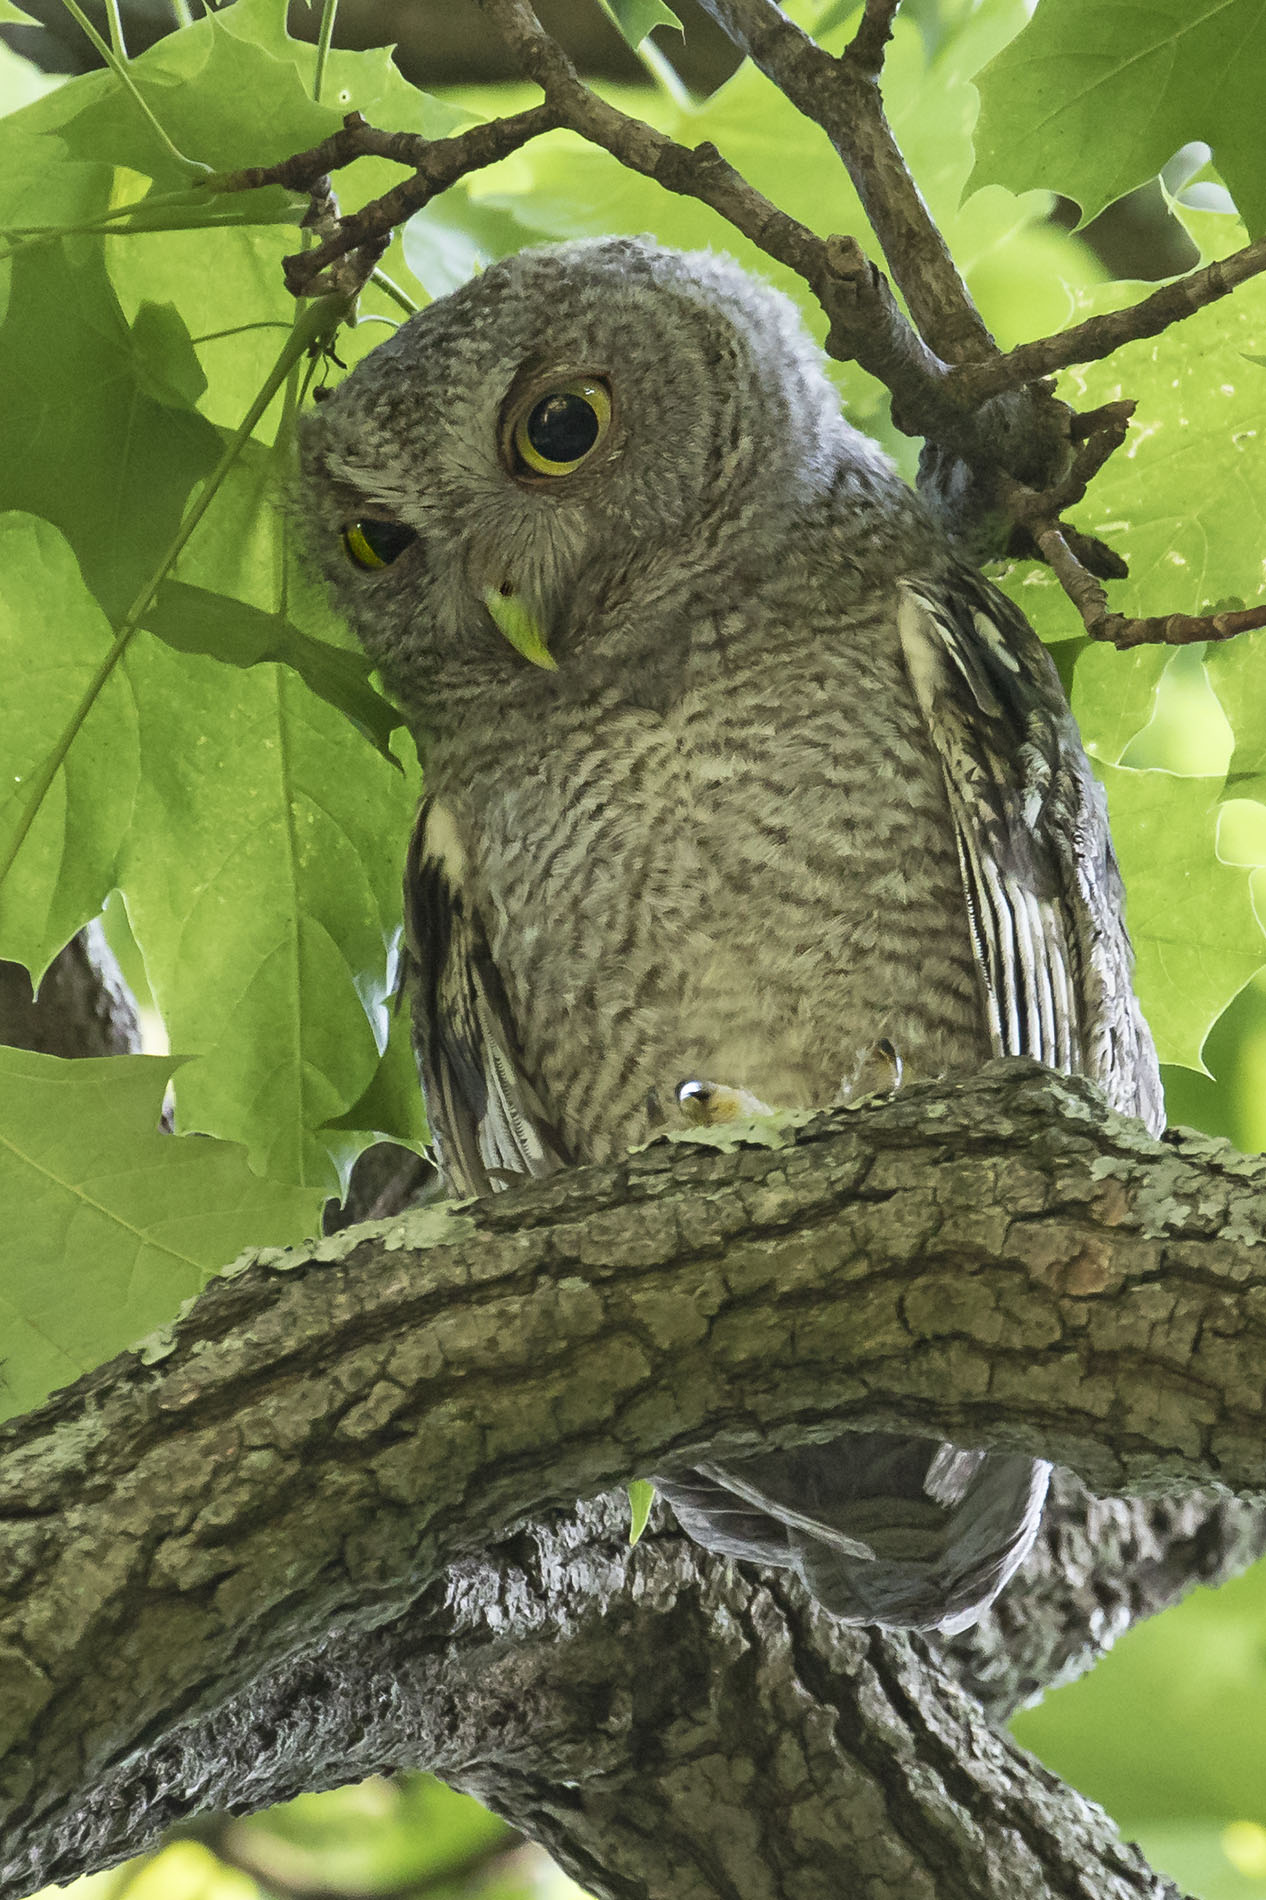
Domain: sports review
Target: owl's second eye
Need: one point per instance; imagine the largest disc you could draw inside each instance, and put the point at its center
(373, 544)
(562, 428)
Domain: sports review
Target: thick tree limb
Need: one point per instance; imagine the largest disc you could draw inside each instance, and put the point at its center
(1004, 1261)
(83, 1007)
(622, 1705)
(667, 1725)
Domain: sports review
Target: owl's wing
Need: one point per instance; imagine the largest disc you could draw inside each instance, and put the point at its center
(487, 1121)
(1040, 876)
(882, 1528)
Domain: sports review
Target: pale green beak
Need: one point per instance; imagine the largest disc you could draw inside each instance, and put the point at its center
(520, 627)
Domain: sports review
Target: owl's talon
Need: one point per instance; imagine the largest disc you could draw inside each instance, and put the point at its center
(877, 1076)
(709, 1104)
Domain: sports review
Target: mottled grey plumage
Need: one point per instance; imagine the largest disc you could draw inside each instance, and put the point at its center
(800, 781)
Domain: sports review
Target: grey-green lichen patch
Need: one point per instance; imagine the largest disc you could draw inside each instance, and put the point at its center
(1161, 1196)
(161, 1343)
(774, 1130)
(441, 1224)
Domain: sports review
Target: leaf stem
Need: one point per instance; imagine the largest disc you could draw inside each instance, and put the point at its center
(114, 20)
(325, 35)
(313, 327)
(118, 66)
(390, 288)
(215, 218)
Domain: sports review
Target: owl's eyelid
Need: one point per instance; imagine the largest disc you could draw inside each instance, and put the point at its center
(522, 397)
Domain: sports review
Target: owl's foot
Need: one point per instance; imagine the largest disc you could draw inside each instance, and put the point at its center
(709, 1104)
(877, 1075)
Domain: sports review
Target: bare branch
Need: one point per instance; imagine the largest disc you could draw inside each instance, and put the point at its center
(436, 164)
(865, 322)
(871, 39)
(842, 96)
(1099, 336)
(993, 429)
(1054, 539)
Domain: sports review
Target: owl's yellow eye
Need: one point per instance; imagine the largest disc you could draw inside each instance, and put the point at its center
(562, 428)
(372, 544)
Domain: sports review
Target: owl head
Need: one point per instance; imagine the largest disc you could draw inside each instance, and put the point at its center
(576, 435)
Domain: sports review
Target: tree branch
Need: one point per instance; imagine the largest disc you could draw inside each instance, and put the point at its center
(865, 323)
(842, 96)
(1002, 1261)
(436, 164)
(1100, 336)
(83, 1007)
(993, 428)
(665, 1723)
(1065, 553)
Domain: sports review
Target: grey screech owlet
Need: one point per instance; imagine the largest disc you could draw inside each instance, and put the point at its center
(798, 781)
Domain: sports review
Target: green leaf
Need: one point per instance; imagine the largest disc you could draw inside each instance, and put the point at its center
(257, 839)
(1196, 935)
(88, 444)
(1114, 696)
(55, 636)
(1095, 96)
(391, 1107)
(195, 620)
(637, 18)
(205, 86)
(167, 366)
(120, 1222)
(368, 80)
(641, 1498)
(1237, 673)
(262, 882)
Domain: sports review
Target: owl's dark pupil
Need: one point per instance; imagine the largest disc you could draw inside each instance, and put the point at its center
(562, 428)
(386, 539)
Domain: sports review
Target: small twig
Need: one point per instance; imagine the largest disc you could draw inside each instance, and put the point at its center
(1177, 630)
(866, 52)
(435, 164)
(1055, 541)
(1099, 336)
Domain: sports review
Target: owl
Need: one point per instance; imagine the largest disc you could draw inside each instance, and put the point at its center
(734, 771)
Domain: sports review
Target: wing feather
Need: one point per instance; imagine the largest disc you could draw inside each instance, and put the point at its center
(487, 1120)
(1040, 877)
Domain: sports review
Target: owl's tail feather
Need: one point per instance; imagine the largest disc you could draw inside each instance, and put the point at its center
(905, 1532)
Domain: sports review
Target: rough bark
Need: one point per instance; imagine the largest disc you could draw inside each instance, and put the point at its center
(665, 1725)
(325, 1433)
(1099, 1566)
(83, 1007)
